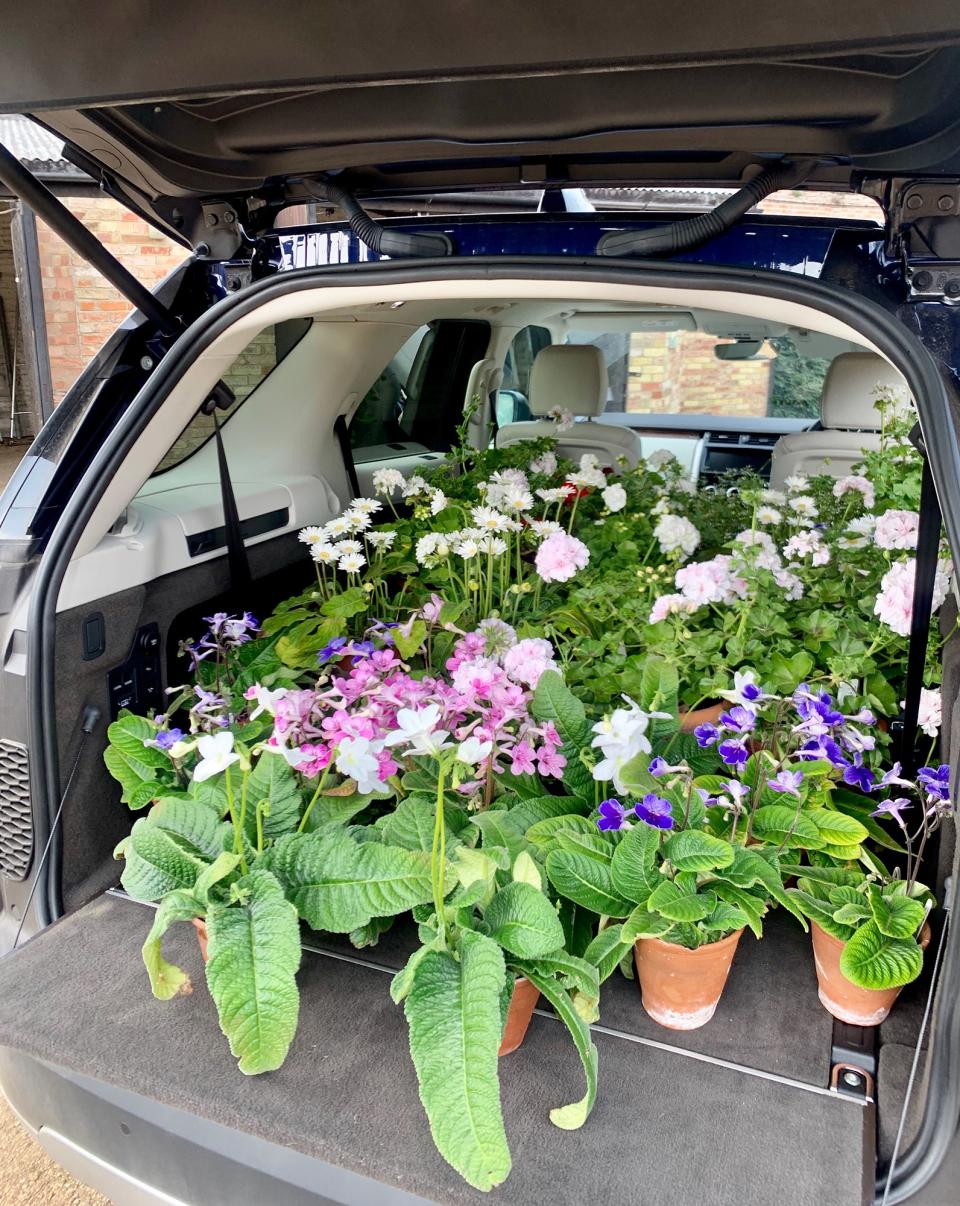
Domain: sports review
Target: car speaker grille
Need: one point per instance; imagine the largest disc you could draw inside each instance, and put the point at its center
(16, 816)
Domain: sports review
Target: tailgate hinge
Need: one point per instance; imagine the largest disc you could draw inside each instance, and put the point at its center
(923, 229)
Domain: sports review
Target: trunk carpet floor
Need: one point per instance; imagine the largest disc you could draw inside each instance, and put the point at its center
(667, 1129)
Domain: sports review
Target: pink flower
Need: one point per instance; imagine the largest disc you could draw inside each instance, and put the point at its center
(712, 581)
(549, 762)
(669, 605)
(317, 757)
(528, 659)
(861, 485)
(522, 763)
(560, 556)
(894, 603)
(897, 530)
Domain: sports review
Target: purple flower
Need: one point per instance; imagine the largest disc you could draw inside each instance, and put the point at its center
(168, 737)
(654, 810)
(328, 652)
(786, 781)
(751, 692)
(740, 719)
(857, 775)
(706, 735)
(360, 650)
(892, 778)
(936, 783)
(734, 752)
(823, 747)
(658, 767)
(612, 815)
(893, 808)
(706, 798)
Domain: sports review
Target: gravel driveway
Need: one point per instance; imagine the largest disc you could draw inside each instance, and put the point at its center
(29, 1178)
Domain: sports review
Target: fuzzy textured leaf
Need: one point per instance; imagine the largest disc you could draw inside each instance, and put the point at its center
(586, 881)
(873, 960)
(634, 868)
(672, 902)
(896, 916)
(693, 850)
(523, 921)
(571, 1117)
(836, 828)
(167, 980)
(254, 956)
(453, 1012)
(780, 825)
(273, 779)
(155, 863)
(606, 950)
(138, 768)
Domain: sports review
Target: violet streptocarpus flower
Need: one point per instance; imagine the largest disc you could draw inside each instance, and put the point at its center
(857, 775)
(739, 719)
(734, 752)
(331, 650)
(612, 815)
(706, 735)
(893, 808)
(786, 781)
(654, 810)
(660, 767)
(167, 738)
(823, 748)
(893, 778)
(935, 782)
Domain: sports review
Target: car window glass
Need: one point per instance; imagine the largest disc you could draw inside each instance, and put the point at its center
(388, 409)
(515, 387)
(682, 372)
(250, 369)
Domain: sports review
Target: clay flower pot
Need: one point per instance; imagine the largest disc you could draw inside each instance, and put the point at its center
(838, 995)
(201, 927)
(708, 715)
(522, 1004)
(681, 988)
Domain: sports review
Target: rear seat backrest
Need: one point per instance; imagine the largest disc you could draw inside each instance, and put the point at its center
(573, 377)
(849, 419)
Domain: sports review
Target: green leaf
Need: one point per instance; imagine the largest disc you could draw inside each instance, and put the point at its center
(554, 701)
(333, 810)
(634, 869)
(586, 881)
(273, 779)
(402, 982)
(409, 646)
(523, 921)
(780, 825)
(643, 924)
(155, 863)
(222, 866)
(411, 824)
(896, 916)
(594, 845)
(138, 768)
(659, 685)
(166, 980)
(871, 959)
(606, 950)
(750, 905)
(577, 975)
(198, 827)
(836, 828)
(526, 871)
(543, 833)
(254, 955)
(539, 808)
(571, 1117)
(672, 902)
(476, 873)
(820, 912)
(347, 603)
(693, 850)
(369, 934)
(338, 885)
(725, 919)
(453, 1011)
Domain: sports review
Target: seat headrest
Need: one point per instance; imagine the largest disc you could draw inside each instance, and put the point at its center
(850, 390)
(568, 376)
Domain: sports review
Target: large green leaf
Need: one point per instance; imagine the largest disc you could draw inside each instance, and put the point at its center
(873, 960)
(166, 979)
(338, 885)
(606, 951)
(554, 701)
(746, 901)
(523, 921)
(411, 824)
(539, 808)
(570, 1117)
(836, 828)
(670, 901)
(643, 924)
(498, 829)
(634, 869)
(453, 1011)
(896, 916)
(694, 850)
(659, 685)
(138, 768)
(273, 779)
(577, 975)
(156, 863)
(821, 912)
(586, 881)
(781, 825)
(544, 833)
(200, 830)
(254, 950)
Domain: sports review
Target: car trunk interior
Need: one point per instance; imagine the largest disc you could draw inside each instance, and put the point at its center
(751, 1090)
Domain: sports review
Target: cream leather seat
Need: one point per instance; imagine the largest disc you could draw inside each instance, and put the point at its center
(850, 422)
(573, 377)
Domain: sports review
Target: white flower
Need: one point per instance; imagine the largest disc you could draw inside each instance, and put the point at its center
(683, 485)
(796, 482)
(473, 751)
(438, 500)
(351, 563)
(366, 506)
(324, 554)
(426, 548)
(518, 500)
(804, 505)
(341, 526)
(467, 549)
(897, 530)
(661, 457)
(544, 464)
(775, 497)
(614, 498)
(930, 716)
(495, 545)
(489, 519)
(621, 737)
(863, 525)
(662, 506)
(554, 495)
(674, 533)
(859, 485)
(746, 691)
(216, 754)
(563, 419)
(386, 481)
(348, 546)
(894, 603)
(312, 535)
(594, 479)
(417, 728)
(768, 515)
(670, 605)
(356, 758)
(381, 540)
(544, 527)
(359, 520)
(266, 699)
(415, 485)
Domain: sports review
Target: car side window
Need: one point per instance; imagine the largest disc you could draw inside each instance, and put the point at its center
(250, 369)
(515, 388)
(379, 419)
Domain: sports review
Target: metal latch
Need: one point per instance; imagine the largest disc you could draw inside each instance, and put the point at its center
(853, 1061)
(924, 234)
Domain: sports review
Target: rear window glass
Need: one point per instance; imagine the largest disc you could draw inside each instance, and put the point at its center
(693, 372)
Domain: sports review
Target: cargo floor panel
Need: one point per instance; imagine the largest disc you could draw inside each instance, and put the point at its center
(77, 997)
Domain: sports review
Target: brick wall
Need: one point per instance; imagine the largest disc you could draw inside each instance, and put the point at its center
(82, 309)
(676, 371)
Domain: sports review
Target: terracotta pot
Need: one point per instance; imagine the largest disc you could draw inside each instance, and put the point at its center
(201, 927)
(838, 995)
(522, 1004)
(708, 715)
(681, 988)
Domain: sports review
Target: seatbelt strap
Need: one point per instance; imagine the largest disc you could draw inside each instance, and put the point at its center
(221, 397)
(342, 433)
(928, 548)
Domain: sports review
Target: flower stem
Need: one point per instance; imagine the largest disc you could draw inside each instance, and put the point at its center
(315, 796)
(438, 856)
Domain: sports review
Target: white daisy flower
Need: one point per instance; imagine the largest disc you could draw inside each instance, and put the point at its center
(352, 563)
(796, 482)
(438, 500)
(348, 546)
(468, 549)
(805, 505)
(386, 481)
(519, 500)
(544, 527)
(382, 540)
(341, 526)
(366, 506)
(324, 554)
(359, 521)
(312, 535)
(492, 544)
(488, 519)
(554, 495)
(768, 515)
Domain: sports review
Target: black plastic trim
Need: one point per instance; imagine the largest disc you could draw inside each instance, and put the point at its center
(930, 384)
(216, 538)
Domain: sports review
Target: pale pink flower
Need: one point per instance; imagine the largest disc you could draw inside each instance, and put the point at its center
(861, 485)
(897, 530)
(528, 659)
(560, 556)
(670, 605)
(894, 603)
